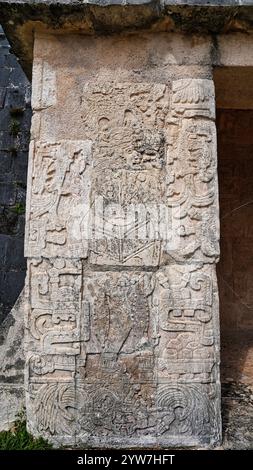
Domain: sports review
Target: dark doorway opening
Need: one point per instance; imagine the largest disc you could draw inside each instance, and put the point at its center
(235, 269)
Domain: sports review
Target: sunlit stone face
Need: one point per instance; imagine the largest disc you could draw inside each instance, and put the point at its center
(122, 339)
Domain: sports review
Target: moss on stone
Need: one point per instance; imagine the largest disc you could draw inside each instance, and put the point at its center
(14, 127)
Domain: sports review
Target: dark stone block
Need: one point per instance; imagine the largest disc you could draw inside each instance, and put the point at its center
(23, 118)
(4, 76)
(14, 140)
(11, 61)
(12, 253)
(4, 240)
(8, 194)
(20, 196)
(20, 162)
(3, 59)
(5, 119)
(5, 166)
(17, 77)
(9, 222)
(15, 118)
(21, 141)
(11, 285)
(2, 97)
(20, 228)
(15, 100)
(6, 141)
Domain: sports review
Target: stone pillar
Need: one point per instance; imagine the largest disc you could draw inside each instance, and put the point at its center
(122, 333)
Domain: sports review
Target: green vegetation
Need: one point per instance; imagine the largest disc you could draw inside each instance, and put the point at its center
(19, 439)
(14, 127)
(19, 208)
(20, 184)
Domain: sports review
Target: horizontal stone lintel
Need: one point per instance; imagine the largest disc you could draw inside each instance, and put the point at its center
(20, 18)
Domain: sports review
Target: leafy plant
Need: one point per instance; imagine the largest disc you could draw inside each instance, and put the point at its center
(20, 439)
(19, 208)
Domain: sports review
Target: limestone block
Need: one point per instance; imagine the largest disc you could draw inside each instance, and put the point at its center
(12, 398)
(44, 92)
(122, 336)
(187, 301)
(192, 170)
(128, 122)
(53, 320)
(146, 371)
(57, 210)
(12, 364)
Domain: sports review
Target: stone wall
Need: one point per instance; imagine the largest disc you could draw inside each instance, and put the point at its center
(122, 240)
(122, 334)
(15, 115)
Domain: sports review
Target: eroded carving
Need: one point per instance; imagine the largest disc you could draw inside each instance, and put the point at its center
(191, 171)
(55, 300)
(186, 299)
(186, 410)
(59, 199)
(123, 346)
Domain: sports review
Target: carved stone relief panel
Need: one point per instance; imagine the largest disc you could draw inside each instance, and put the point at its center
(122, 342)
(188, 413)
(192, 188)
(136, 357)
(125, 104)
(129, 169)
(188, 393)
(58, 199)
(53, 320)
(44, 90)
(90, 358)
(118, 374)
(186, 298)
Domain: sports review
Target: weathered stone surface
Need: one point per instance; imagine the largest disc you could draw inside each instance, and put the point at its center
(12, 365)
(192, 179)
(122, 331)
(21, 17)
(119, 364)
(57, 214)
(122, 335)
(15, 114)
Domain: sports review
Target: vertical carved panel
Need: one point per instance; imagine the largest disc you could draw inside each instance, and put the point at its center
(129, 170)
(53, 341)
(192, 170)
(122, 339)
(186, 302)
(58, 208)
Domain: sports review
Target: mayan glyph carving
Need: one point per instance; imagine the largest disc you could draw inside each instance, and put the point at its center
(147, 363)
(122, 341)
(53, 321)
(187, 354)
(187, 412)
(58, 208)
(128, 121)
(191, 170)
(187, 295)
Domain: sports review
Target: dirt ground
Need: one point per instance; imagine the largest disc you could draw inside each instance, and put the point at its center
(237, 416)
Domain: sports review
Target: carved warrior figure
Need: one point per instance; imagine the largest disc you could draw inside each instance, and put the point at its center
(121, 341)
